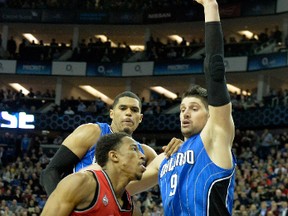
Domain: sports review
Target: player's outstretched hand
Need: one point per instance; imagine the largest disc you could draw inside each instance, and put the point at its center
(172, 146)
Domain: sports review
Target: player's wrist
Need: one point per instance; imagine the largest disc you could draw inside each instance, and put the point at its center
(211, 11)
(213, 4)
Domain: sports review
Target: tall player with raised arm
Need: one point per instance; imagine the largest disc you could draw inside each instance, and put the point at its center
(199, 178)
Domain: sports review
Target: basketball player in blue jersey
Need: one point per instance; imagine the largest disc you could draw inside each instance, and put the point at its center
(78, 149)
(198, 179)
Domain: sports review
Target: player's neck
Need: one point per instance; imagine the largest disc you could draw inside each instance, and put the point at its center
(118, 182)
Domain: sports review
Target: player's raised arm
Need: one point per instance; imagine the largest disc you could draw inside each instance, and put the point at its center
(218, 133)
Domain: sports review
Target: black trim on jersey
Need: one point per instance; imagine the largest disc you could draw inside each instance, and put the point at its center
(95, 198)
(217, 198)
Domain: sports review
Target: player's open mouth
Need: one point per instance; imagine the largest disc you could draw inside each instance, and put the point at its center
(186, 123)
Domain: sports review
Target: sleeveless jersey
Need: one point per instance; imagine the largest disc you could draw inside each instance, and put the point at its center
(105, 201)
(89, 157)
(191, 184)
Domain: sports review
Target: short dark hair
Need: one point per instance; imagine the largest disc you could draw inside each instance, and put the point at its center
(107, 143)
(198, 92)
(126, 94)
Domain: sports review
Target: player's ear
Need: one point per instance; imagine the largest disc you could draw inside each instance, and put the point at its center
(113, 156)
(111, 113)
(141, 118)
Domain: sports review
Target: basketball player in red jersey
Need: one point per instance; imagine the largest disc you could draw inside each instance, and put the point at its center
(101, 192)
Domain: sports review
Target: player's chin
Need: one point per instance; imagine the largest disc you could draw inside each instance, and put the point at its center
(128, 130)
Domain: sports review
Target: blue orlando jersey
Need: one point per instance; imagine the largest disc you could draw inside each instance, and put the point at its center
(89, 157)
(191, 184)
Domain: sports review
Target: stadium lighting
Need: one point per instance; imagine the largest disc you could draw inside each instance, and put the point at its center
(96, 93)
(19, 87)
(248, 34)
(137, 47)
(176, 38)
(104, 38)
(163, 91)
(234, 89)
(31, 38)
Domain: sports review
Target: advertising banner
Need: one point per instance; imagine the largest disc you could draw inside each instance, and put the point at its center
(192, 66)
(16, 120)
(93, 18)
(137, 69)
(20, 15)
(192, 14)
(32, 67)
(126, 18)
(236, 64)
(230, 10)
(7, 66)
(69, 68)
(258, 7)
(104, 70)
(282, 6)
(159, 16)
(58, 16)
(267, 61)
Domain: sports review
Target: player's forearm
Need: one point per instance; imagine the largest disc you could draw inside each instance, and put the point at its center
(149, 178)
(61, 163)
(144, 184)
(218, 94)
(49, 179)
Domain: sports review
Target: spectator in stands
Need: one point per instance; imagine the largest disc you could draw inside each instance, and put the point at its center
(47, 94)
(92, 108)
(58, 140)
(11, 47)
(15, 207)
(31, 93)
(1, 155)
(264, 36)
(267, 141)
(283, 209)
(25, 143)
(81, 107)
(277, 34)
(69, 111)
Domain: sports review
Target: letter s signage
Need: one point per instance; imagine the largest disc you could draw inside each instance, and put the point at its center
(18, 120)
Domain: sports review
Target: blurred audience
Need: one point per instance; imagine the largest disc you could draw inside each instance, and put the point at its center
(261, 180)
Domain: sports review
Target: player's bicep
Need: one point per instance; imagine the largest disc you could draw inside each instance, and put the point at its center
(82, 139)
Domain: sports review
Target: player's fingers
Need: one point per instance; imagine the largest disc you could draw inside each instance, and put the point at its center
(168, 146)
(172, 146)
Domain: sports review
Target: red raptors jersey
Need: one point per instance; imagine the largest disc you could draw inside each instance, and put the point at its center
(105, 202)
